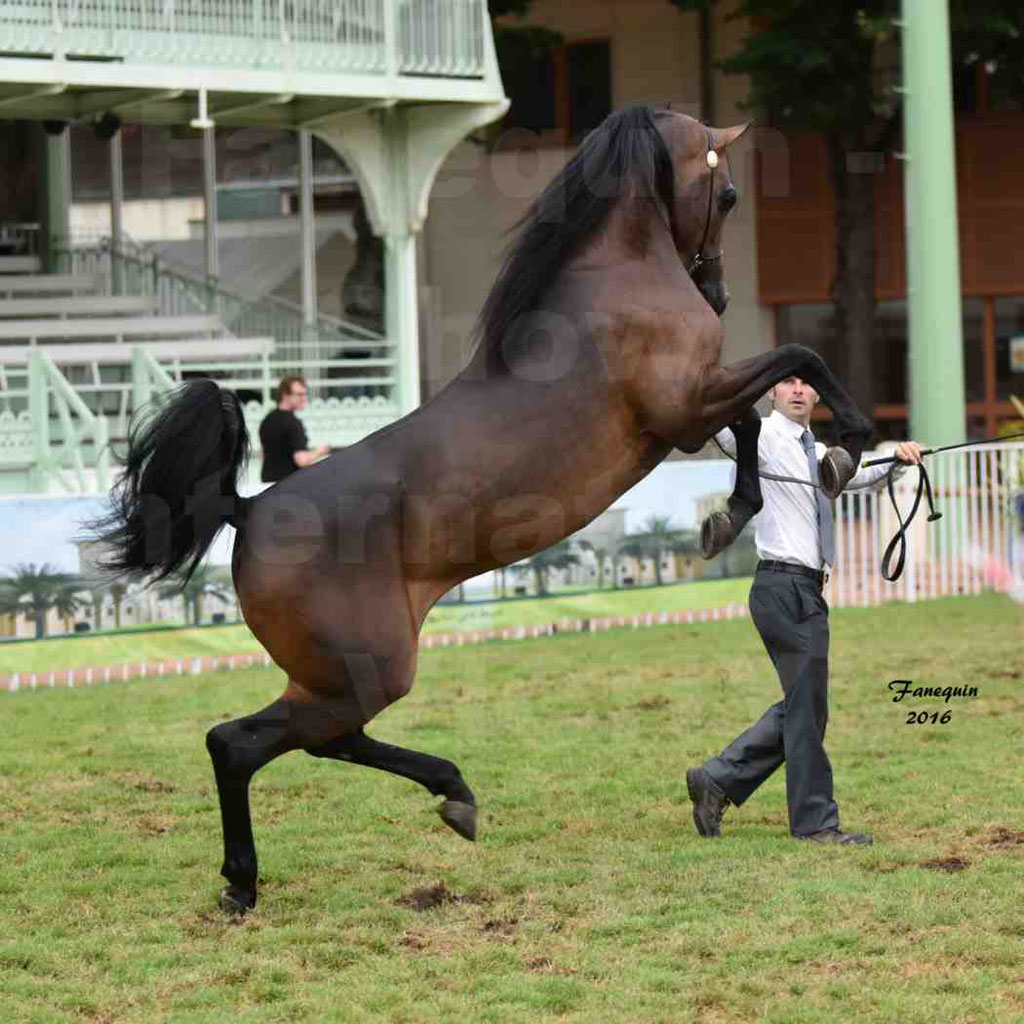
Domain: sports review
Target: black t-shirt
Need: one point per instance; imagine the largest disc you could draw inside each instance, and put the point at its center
(281, 435)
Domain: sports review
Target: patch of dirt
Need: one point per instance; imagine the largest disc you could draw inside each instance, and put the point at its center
(658, 703)
(548, 966)
(1002, 836)
(1004, 674)
(152, 825)
(500, 926)
(881, 869)
(414, 941)
(137, 781)
(950, 864)
(428, 897)
(154, 786)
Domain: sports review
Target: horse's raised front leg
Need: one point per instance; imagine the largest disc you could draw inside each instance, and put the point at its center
(731, 390)
(720, 529)
(439, 776)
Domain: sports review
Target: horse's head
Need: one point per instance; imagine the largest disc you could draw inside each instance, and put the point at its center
(704, 195)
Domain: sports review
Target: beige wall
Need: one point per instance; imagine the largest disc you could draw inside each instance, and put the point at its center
(480, 194)
(749, 325)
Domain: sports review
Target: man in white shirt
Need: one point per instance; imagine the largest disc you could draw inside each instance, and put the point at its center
(795, 539)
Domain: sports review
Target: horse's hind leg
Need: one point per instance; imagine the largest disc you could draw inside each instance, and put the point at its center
(440, 777)
(238, 750)
(720, 529)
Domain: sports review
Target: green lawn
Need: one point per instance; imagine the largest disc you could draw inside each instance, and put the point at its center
(84, 650)
(588, 896)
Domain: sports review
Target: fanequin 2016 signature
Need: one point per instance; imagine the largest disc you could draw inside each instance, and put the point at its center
(905, 688)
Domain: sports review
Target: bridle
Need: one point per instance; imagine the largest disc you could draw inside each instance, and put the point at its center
(699, 257)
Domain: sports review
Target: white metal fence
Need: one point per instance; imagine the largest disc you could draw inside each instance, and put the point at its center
(427, 37)
(974, 546)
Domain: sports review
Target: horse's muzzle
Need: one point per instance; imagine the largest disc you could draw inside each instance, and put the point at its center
(716, 294)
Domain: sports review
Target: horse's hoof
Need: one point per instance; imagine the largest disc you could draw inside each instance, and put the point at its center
(459, 816)
(236, 901)
(716, 534)
(836, 471)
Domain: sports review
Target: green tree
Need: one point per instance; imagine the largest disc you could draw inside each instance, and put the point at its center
(206, 582)
(558, 556)
(658, 538)
(117, 591)
(602, 554)
(833, 67)
(97, 592)
(68, 600)
(33, 590)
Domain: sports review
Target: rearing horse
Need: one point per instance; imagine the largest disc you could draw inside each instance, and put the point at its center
(598, 353)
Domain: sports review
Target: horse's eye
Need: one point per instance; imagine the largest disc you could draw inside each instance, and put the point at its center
(727, 199)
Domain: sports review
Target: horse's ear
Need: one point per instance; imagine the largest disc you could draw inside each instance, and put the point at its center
(725, 137)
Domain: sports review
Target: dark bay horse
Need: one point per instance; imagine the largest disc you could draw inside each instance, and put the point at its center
(598, 352)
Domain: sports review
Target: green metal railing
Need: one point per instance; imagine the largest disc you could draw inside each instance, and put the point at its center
(58, 428)
(132, 271)
(79, 426)
(375, 37)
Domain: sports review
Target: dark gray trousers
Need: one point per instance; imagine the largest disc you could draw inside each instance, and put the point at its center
(792, 617)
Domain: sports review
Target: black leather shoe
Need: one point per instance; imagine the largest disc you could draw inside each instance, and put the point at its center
(835, 835)
(709, 802)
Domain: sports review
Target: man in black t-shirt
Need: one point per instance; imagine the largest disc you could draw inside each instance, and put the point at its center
(282, 435)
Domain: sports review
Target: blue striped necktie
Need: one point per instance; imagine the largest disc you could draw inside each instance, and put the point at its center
(826, 528)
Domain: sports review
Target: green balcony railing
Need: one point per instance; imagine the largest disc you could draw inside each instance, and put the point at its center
(419, 37)
(132, 271)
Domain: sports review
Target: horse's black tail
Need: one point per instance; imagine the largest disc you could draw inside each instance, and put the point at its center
(179, 485)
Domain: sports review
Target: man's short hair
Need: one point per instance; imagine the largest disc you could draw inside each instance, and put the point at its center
(287, 385)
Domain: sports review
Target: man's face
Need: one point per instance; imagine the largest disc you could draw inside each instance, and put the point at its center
(795, 398)
(295, 400)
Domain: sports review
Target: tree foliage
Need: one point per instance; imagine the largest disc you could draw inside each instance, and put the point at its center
(834, 67)
(33, 590)
(558, 556)
(206, 582)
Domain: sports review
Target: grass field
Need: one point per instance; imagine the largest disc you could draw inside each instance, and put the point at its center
(588, 896)
(82, 651)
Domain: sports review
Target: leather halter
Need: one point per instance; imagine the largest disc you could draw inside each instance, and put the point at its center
(699, 257)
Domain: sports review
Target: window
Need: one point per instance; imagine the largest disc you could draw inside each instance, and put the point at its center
(814, 325)
(527, 66)
(564, 90)
(588, 86)
(1009, 325)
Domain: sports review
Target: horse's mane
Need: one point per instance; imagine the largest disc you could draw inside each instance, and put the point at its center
(625, 155)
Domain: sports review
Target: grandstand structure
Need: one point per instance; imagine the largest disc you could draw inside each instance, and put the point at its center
(89, 334)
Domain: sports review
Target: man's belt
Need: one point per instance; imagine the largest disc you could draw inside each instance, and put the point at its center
(817, 575)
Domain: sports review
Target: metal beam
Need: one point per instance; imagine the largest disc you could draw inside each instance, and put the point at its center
(116, 208)
(218, 113)
(90, 103)
(307, 226)
(936, 350)
(332, 112)
(32, 94)
(210, 204)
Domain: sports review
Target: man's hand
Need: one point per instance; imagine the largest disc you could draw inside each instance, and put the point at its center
(909, 452)
(321, 450)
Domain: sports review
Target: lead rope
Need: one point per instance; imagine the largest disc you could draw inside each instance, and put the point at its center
(924, 487)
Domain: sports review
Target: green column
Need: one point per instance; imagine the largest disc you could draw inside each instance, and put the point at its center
(55, 188)
(936, 350)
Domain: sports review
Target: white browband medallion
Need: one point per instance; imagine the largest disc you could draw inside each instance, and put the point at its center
(712, 159)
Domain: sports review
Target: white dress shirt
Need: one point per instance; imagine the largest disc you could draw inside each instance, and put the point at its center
(786, 528)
